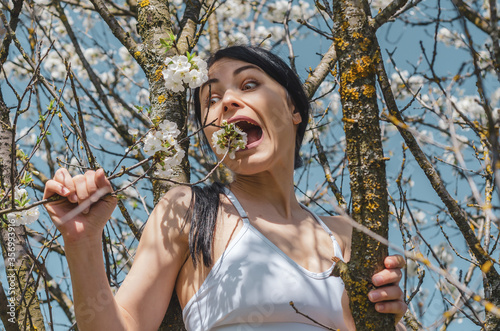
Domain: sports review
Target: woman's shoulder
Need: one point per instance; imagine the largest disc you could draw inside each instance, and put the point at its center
(342, 230)
(171, 210)
(177, 198)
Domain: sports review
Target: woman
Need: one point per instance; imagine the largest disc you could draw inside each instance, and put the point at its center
(260, 248)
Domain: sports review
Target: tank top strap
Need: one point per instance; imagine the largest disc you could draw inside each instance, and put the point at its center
(236, 204)
(323, 225)
(244, 216)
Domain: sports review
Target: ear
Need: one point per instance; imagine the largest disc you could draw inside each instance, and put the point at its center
(296, 117)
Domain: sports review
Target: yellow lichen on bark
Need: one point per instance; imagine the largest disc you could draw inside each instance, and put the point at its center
(345, 25)
(369, 91)
(349, 93)
(158, 74)
(341, 44)
(359, 69)
(365, 44)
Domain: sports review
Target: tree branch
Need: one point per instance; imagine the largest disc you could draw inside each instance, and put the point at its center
(473, 16)
(388, 12)
(14, 19)
(119, 33)
(455, 210)
(319, 73)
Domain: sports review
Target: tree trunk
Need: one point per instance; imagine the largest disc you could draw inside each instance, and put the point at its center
(356, 57)
(154, 24)
(21, 282)
(492, 294)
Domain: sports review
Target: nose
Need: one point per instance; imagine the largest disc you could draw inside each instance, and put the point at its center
(230, 101)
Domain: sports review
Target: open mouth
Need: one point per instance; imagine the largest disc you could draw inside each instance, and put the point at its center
(253, 131)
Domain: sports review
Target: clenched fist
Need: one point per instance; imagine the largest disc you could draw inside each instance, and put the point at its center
(86, 192)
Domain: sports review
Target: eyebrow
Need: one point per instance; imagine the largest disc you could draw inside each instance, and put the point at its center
(235, 73)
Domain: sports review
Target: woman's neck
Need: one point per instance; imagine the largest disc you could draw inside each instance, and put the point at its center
(267, 189)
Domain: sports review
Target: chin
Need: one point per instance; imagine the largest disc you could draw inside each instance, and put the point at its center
(251, 165)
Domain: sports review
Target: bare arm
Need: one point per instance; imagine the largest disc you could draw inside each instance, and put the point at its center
(143, 298)
(147, 289)
(95, 307)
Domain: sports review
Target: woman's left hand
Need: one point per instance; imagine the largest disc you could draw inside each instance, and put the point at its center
(388, 296)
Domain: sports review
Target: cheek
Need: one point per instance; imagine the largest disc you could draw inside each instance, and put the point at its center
(208, 131)
(281, 118)
(210, 117)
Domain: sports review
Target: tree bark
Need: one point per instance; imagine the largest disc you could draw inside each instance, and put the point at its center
(356, 54)
(22, 284)
(153, 24)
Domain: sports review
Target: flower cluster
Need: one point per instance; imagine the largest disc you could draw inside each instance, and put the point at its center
(162, 144)
(400, 83)
(229, 137)
(182, 71)
(26, 216)
(451, 38)
(380, 4)
(276, 12)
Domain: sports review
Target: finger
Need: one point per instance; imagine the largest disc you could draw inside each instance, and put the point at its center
(102, 182)
(386, 293)
(90, 182)
(387, 276)
(91, 188)
(394, 262)
(81, 188)
(63, 176)
(392, 307)
(54, 187)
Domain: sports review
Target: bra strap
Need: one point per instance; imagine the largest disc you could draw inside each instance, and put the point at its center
(236, 204)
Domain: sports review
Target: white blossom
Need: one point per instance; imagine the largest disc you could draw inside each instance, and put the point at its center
(443, 252)
(111, 135)
(181, 72)
(402, 81)
(451, 38)
(469, 105)
(165, 167)
(331, 96)
(229, 137)
(276, 12)
(55, 65)
(93, 55)
(25, 216)
(163, 145)
(195, 78)
(235, 38)
(142, 96)
(380, 4)
(233, 9)
(20, 193)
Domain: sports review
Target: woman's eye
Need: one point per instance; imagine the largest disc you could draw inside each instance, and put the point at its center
(213, 100)
(249, 85)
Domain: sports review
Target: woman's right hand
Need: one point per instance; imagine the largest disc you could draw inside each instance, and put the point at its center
(75, 190)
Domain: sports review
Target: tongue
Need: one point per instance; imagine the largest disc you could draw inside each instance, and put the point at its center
(253, 134)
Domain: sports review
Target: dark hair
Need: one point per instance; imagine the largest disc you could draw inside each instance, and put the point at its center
(204, 205)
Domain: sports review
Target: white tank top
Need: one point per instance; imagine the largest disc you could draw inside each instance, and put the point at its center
(251, 285)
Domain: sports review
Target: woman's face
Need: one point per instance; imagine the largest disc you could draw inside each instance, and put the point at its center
(242, 93)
